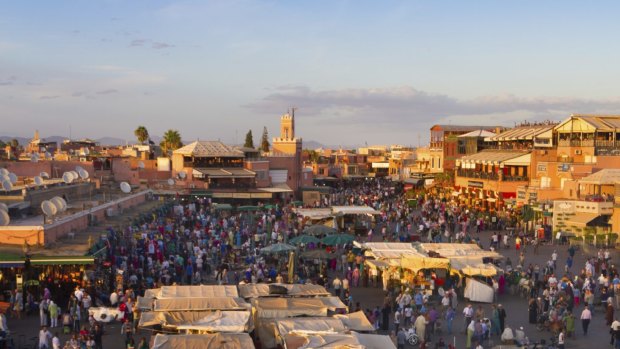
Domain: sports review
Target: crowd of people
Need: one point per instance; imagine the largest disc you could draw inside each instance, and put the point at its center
(190, 242)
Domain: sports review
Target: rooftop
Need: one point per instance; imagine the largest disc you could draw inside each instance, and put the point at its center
(209, 148)
(606, 176)
(522, 133)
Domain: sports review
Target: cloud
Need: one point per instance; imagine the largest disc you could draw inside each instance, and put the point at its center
(398, 104)
(8, 81)
(161, 45)
(107, 92)
(78, 94)
(138, 42)
(49, 97)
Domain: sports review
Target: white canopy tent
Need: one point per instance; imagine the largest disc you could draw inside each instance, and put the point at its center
(203, 321)
(293, 290)
(203, 341)
(196, 304)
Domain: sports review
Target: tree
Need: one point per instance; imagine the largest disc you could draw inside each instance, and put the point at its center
(14, 143)
(142, 134)
(170, 142)
(249, 140)
(264, 142)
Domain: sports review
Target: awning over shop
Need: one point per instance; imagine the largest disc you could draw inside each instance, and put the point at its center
(354, 210)
(472, 266)
(582, 219)
(523, 160)
(377, 264)
(418, 263)
(491, 157)
(197, 304)
(606, 176)
(314, 213)
(196, 291)
(223, 173)
(212, 321)
(62, 260)
(277, 188)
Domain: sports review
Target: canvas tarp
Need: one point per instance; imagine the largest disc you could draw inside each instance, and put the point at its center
(356, 321)
(289, 307)
(151, 293)
(211, 321)
(306, 325)
(106, 314)
(203, 341)
(144, 303)
(418, 263)
(294, 290)
(477, 291)
(472, 266)
(197, 291)
(350, 341)
(195, 304)
(449, 250)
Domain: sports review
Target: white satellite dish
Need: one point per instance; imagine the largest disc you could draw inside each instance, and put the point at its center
(5, 219)
(78, 169)
(67, 177)
(60, 204)
(182, 174)
(13, 178)
(141, 165)
(125, 187)
(34, 157)
(170, 181)
(75, 175)
(83, 174)
(48, 208)
(38, 181)
(6, 185)
(4, 177)
(4, 207)
(4, 171)
(44, 175)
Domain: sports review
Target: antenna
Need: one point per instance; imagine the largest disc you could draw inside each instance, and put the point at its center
(13, 178)
(125, 187)
(5, 219)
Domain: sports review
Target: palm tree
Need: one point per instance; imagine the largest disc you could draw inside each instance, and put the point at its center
(170, 142)
(142, 134)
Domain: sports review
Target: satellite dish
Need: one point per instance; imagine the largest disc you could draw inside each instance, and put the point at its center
(4, 171)
(78, 169)
(4, 178)
(13, 178)
(44, 175)
(182, 174)
(48, 155)
(141, 165)
(60, 204)
(34, 157)
(6, 185)
(67, 177)
(83, 174)
(86, 151)
(170, 181)
(48, 208)
(125, 187)
(4, 218)
(4, 207)
(38, 181)
(75, 175)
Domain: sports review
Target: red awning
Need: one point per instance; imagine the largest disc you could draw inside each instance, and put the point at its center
(512, 195)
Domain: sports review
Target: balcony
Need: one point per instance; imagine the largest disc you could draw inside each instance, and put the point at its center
(477, 175)
(566, 159)
(576, 143)
(515, 179)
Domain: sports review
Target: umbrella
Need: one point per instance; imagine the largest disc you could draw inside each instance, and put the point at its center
(319, 230)
(304, 239)
(278, 248)
(317, 254)
(338, 239)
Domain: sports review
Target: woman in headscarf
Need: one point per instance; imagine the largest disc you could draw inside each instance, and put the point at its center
(501, 282)
(609, 313)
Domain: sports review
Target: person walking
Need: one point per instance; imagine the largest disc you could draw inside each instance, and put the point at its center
(401, 339)
(561, 339)
(52, 308)
(468, 314)
(502, 317)
(44, 338)
(586, 316)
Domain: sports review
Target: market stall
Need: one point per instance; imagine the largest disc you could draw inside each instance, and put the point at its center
(199, 321)
(203, 341)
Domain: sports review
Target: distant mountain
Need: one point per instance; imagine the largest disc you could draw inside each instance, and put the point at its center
(111, 141)
(21, 140)
(312, 145)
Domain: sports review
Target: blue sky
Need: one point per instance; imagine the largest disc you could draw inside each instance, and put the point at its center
(359, 71)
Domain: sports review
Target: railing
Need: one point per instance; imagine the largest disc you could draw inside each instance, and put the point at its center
(576, 143)
(477, 174)
(607, 144)
(608, 151)
(515, 179)
(566, 159)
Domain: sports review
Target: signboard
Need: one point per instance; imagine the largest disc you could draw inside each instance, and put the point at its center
(521, 194)
(534, 196)
(475, 184)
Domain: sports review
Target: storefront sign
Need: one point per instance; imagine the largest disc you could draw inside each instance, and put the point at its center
(475, 184)
(521, 195)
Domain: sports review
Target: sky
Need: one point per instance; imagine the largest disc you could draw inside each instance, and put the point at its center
(358, 72)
